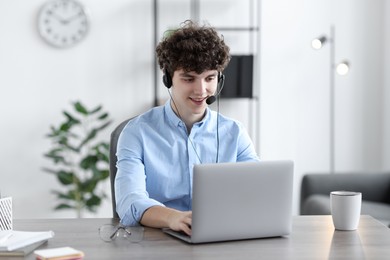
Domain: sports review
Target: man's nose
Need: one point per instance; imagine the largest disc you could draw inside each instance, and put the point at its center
(200, 87)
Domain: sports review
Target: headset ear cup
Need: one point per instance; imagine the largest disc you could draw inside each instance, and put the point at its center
(221, 81)
(167, 80)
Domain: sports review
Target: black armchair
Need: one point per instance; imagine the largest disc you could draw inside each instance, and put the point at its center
(375, 189)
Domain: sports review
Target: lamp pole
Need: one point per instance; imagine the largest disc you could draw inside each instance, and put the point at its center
(341, 68)
(332, 101)
(155, 65)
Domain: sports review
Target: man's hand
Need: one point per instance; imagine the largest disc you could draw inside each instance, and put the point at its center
(162, 217)
(180, 221)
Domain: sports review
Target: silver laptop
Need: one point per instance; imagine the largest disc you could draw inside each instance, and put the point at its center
(245, 200)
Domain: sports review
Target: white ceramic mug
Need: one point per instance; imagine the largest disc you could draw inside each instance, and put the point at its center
(345, 207)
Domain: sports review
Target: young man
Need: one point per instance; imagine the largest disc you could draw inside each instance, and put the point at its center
(157, 150)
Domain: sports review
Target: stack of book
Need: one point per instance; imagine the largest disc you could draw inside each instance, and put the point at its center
(21, 243)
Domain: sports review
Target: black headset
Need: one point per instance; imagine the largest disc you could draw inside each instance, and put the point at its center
(167, 79)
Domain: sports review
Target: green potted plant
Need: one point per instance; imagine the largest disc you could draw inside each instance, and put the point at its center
(80, 162)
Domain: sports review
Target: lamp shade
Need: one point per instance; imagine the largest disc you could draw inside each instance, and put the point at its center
(342, 68)
(317, 43)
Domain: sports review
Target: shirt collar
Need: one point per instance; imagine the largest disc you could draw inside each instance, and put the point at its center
(172, 117)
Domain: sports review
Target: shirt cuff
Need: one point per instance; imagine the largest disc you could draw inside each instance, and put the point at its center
(135, 212)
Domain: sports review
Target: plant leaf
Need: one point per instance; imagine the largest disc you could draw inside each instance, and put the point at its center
(97, 109)
(92, 134)
(88, 161)
(89, 137)
(104, 125)
(80, 108)
(101, 174)
(49, 170)
(71, 119)
(65, 196)
(103, 116)
(88, 185)
(93, 201)
(64, 206)
(66, 178)
(56, 158)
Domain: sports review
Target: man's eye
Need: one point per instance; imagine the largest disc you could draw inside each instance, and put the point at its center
(188, 80)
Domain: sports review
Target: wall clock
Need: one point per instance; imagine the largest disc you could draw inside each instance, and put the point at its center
(63, 23)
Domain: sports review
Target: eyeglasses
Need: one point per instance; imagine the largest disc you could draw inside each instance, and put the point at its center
(109, 233)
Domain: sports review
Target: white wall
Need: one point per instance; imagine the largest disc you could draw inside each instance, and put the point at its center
(359, 105)
(113, 66)
(386, 92)
(294, 107)
(295, 82)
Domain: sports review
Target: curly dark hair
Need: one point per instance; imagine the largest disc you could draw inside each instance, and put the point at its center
(193, 47)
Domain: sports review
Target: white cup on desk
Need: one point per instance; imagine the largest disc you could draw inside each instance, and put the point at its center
(345, 207)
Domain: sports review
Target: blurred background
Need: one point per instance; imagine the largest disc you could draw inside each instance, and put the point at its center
(299, 107)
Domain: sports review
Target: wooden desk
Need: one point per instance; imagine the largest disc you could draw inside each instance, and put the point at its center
(313, 237)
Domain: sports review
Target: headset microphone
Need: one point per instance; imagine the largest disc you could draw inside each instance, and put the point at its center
(210, 100)
(221, 82)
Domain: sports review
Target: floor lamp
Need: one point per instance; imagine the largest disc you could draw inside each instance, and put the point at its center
(341, 68)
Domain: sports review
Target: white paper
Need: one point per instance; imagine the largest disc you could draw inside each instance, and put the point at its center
(23, 238)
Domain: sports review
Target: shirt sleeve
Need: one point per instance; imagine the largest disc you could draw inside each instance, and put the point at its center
(246, 149)
(132, 199)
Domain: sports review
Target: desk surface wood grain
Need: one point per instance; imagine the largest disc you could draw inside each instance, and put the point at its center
(312, 237)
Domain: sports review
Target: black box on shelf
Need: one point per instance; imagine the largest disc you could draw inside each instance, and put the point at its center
(238, 77)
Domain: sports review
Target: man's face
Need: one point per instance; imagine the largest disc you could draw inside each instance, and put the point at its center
(190, 91)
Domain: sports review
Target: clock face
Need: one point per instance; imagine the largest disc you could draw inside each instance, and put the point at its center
(63, 23)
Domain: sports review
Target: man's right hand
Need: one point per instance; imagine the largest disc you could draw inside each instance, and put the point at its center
(181, 221)
(163, 217)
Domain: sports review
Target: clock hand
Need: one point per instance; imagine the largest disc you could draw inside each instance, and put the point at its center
(59, 18)
(73, 17)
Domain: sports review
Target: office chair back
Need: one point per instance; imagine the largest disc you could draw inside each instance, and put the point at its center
(113, 159)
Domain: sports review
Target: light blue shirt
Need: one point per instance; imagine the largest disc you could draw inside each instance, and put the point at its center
(156, 158)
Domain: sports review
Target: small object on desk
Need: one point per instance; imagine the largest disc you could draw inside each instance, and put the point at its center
(59, 253)
(5, 213)
(20, 239)
(345, 207)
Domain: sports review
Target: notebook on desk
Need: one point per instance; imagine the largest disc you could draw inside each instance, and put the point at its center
(246, 200)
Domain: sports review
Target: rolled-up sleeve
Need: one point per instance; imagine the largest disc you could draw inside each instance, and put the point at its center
(132, 199)
(245, 148)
